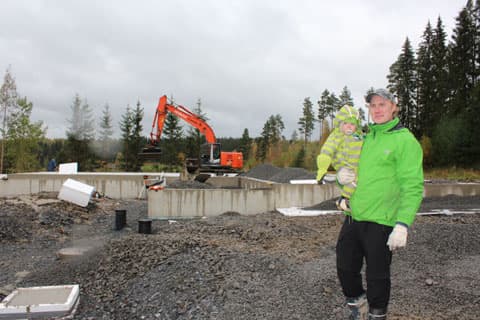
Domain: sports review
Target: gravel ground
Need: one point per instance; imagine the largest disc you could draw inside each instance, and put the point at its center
(265, 266)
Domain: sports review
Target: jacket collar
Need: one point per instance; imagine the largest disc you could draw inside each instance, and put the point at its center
(384, 127)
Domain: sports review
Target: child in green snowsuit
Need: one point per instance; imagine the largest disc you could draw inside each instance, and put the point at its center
(342, 151)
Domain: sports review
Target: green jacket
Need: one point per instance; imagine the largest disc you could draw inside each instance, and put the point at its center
(390, 176)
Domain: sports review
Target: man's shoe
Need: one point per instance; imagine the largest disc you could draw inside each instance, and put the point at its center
(377, 314)
(358, 307)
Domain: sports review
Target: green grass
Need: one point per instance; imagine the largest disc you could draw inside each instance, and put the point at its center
(453, 173)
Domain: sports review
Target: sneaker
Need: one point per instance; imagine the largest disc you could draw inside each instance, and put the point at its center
(377, 314)
(358, 307)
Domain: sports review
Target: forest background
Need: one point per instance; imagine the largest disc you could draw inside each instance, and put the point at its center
(437, 86)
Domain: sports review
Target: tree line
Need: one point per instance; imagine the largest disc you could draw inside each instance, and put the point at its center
(436, 86)
(438, 89)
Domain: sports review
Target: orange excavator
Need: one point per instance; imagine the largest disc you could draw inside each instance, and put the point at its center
(215, 160)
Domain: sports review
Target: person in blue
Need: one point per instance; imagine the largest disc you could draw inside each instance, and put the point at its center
(52, 165)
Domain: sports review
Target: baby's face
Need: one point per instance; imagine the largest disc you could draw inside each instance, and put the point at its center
(348, 128)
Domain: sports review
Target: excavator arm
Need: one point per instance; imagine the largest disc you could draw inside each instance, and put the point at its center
(183, 113)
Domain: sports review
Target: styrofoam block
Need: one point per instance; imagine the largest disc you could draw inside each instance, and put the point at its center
(76, 192)
(45, 301)
(68, 168)
(304, 181)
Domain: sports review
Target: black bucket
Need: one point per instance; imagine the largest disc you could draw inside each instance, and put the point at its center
(145, 226)
(120, 219)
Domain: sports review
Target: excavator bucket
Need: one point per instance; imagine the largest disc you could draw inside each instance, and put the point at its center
(150, 153)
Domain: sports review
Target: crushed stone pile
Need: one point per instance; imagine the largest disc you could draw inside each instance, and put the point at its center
(280, 175)
(189, 184)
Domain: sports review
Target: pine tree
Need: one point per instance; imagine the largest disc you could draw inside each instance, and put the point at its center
(132, 140)
(402, 81)
(126, 128)
(425, 83)
(270, 136)
(440, 85)
(345, 98)
(323, 110)
(299, 160)
(172, 139)
(24, 139)
(106, 132)
(137, 140)
(333, 105)
(462, 68)
(9, 106)
(195, 138)
(245, 144)
(307, 120)
(80, 135)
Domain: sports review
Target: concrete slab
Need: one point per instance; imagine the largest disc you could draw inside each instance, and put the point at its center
(40, 302)
(72, 252)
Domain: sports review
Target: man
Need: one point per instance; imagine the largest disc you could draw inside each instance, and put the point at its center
(388, 194)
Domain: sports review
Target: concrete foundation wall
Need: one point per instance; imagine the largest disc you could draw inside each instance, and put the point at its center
(241, 194)
(461, 189)
(256, 197)
(188, 203)
(113, 185)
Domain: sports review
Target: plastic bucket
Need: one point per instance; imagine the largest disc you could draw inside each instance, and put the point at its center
(120, 219)
(145, 226)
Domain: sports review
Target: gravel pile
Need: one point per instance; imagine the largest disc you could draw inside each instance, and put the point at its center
(190, 184)
(280, 175)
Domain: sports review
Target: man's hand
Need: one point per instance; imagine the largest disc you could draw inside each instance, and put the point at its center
(343, 204)
(398, 237)
(345, 176)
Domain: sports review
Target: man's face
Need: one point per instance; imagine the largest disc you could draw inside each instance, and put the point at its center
(381, 109)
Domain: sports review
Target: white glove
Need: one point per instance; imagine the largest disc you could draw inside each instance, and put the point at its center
(398, 237)
(345, 176)
(343, 204)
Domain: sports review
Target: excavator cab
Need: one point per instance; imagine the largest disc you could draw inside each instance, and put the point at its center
(209, 156)
(150, 152)
(210, 153)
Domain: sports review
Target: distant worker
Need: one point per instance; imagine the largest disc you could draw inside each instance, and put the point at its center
(388, 194)
(342, 151)
(52, 165)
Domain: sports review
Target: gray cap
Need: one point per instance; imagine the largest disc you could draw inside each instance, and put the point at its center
(384, 93)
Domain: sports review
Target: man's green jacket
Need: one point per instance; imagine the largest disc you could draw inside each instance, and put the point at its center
(390, 176)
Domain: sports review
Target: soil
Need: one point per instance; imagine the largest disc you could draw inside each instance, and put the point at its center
(264, 266)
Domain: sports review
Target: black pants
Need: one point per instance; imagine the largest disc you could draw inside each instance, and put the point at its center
(359, 240)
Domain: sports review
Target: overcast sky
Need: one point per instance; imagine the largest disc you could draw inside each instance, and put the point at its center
(245, 59)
